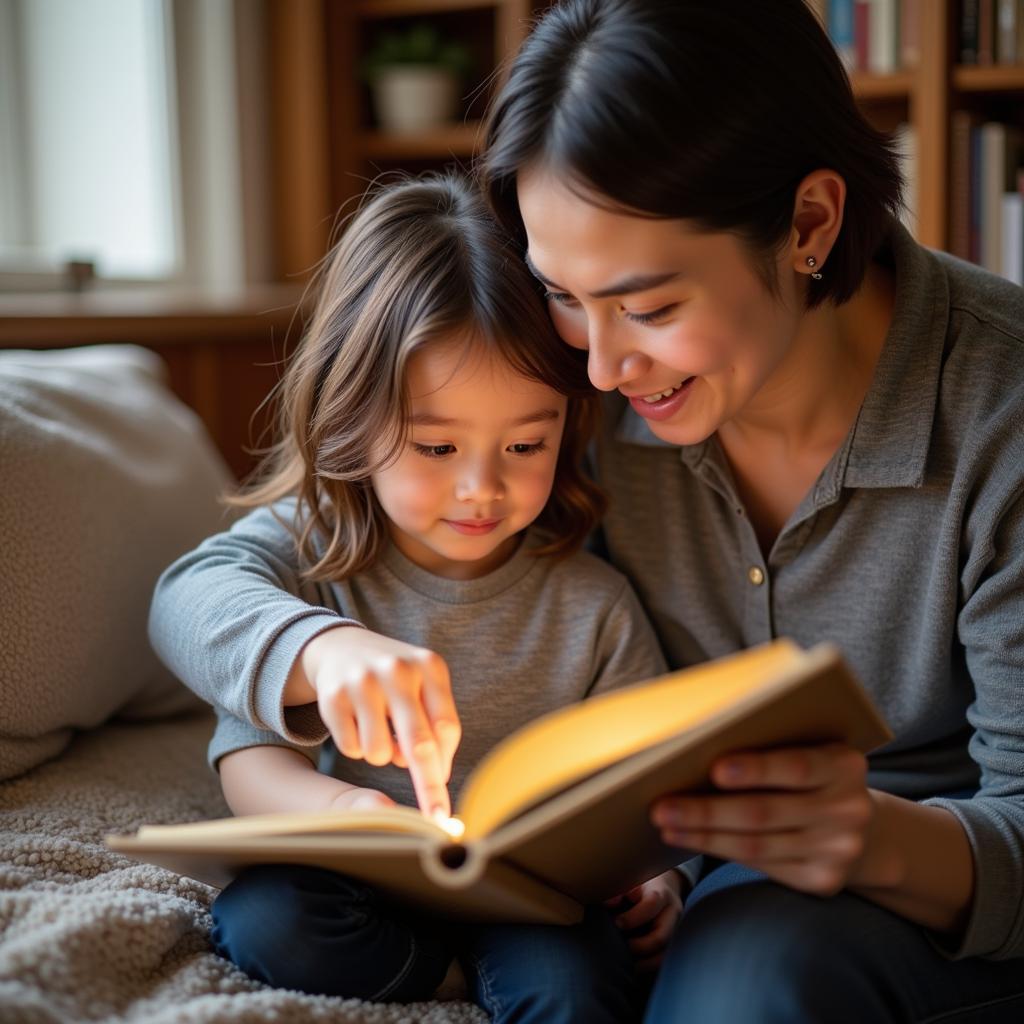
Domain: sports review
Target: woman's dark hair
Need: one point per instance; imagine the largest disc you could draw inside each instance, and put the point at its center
(423, 262)
(711, 111)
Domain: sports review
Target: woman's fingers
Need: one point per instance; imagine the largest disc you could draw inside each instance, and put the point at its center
(801, 768)
(760, 812)
(809, 831)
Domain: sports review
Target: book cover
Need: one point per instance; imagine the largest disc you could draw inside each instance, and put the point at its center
(557, 815)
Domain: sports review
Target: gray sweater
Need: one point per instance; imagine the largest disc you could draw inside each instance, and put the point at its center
(908, 552)
(230, 618)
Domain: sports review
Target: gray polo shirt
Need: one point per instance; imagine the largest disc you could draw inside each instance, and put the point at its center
(908, 552)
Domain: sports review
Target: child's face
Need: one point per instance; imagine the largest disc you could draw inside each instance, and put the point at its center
(479, 462)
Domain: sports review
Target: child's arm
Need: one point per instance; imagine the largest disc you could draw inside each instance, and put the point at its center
(270, 779)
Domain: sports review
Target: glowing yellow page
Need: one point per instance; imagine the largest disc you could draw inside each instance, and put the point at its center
(565, 746)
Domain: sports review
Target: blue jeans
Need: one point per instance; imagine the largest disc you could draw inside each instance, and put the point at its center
(748, 950)
(320, 932)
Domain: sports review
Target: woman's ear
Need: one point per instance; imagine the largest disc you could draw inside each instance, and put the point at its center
(817, 218)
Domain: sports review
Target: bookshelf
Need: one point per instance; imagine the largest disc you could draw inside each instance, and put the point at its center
(928, 95)
(327, 146)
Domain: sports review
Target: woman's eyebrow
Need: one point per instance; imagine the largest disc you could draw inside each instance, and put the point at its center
(627, 286)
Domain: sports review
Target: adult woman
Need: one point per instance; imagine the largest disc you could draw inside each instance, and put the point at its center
(822, 439)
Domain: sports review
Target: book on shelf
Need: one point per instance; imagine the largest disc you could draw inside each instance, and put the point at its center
(556, 816)
(880, 36)
(1012, 256)
(991, 32)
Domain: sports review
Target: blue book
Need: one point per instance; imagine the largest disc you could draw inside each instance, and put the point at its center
(840, 28)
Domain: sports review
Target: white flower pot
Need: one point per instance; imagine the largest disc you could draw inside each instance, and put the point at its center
(414, 97)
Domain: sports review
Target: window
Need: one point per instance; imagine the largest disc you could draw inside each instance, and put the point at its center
(88, 129)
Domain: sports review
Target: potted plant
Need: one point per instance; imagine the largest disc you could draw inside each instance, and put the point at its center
(415, 77)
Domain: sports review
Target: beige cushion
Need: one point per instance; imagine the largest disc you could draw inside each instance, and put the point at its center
(105, 478)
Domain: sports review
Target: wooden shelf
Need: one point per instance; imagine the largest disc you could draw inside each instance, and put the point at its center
(990, 78)
(170, 316)
(439, 143)
(871, 86)
(400, 8)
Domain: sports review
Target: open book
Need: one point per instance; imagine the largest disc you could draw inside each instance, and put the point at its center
(557, 815)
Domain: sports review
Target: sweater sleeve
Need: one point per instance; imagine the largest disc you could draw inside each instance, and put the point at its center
(233, 734)
(230, 618)
(991, 629)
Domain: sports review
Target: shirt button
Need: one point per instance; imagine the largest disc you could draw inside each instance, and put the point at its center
(755, 575)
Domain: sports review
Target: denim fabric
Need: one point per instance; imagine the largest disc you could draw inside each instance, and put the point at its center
(750, 950)
(320, 932)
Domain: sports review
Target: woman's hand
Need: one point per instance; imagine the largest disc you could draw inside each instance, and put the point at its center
(386, 702)
(801, 815)
(653, 909)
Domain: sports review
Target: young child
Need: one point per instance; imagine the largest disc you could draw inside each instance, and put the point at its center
(410, 576)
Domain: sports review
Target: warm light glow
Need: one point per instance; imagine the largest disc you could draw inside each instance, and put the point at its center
(452, 826)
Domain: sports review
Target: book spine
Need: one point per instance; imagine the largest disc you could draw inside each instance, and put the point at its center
(993, 170)
(861, 32)
(1006, 35)
(910, 34)
(986, 31)
(882, 36)
(1012, 260)
(969, 32)
(840, 28)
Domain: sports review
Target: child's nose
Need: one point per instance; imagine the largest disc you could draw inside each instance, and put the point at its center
(481, 482)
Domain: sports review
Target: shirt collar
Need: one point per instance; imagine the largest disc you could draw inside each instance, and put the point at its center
(888, 446)
(894, 428)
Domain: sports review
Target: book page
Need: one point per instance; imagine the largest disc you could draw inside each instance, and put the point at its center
(561, 748)
(403, 820)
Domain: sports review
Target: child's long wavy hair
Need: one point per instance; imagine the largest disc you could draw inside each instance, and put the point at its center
(422, 261)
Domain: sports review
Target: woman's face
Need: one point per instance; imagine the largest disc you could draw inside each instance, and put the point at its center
(679, 321)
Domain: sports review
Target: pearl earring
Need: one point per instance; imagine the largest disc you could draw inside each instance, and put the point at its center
(812, 263)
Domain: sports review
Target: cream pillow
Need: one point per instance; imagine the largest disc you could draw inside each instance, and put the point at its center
(105, 478)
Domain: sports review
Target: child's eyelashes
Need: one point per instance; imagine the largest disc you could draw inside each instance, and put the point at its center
(433, 451)
(528, 449)
(440, 451)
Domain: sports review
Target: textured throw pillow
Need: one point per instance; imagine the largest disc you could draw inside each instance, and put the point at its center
(105, 478)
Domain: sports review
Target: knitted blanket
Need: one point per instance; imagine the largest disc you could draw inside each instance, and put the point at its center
(89, 935)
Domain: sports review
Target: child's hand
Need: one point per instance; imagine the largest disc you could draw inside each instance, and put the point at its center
(653, 909)
(365, 683)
